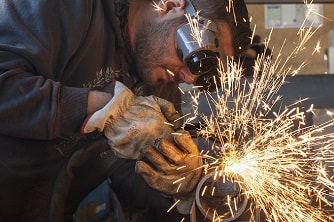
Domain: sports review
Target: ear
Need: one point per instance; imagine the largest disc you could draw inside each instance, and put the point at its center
(169, 5)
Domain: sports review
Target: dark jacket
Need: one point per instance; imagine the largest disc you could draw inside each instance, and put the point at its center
(51, 53)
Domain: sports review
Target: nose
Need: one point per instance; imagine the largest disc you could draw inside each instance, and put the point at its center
(187, 76)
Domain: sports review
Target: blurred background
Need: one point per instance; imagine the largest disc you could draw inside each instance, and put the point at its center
(284, 18)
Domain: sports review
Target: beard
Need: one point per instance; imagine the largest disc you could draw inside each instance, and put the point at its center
(151, 47)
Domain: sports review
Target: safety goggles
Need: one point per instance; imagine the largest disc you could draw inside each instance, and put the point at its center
(198, 47)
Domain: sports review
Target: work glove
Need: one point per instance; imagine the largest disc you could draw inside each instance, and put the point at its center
(132, 122)
(173, 168)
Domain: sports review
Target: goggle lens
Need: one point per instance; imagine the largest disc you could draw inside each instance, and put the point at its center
(202, 62)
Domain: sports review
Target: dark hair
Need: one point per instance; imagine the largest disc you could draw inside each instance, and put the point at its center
(235, 13)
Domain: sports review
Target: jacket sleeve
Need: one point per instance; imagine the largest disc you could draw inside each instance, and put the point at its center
(37, 40)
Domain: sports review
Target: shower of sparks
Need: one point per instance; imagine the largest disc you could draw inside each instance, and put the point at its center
(317, 48)
(158, 6)
(196, 28)
(280, 162)
(311, 10)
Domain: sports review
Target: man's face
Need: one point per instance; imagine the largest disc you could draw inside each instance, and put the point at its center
(156, 56)
(155, 53)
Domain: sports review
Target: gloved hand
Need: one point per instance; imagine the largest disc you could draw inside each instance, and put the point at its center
(177, 168)
(132, 122)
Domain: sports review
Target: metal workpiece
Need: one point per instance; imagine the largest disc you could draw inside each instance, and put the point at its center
(220, 198)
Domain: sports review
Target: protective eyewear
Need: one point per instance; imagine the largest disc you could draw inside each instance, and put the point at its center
(198, 47)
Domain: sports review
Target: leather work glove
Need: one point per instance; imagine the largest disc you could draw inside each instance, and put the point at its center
(132, 122)
(174, 168)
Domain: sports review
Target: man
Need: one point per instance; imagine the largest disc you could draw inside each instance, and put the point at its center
(66, 67)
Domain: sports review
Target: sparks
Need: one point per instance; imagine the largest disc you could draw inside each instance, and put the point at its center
(278, 162)
(170, 72)
(317, 48)
(158, 7)
(195, 27)
(275, 159)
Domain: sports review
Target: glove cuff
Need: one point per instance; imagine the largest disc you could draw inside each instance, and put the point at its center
(122, 98)
(185, 203)
(84, 128)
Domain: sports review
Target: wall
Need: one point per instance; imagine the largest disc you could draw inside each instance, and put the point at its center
(315, 63)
